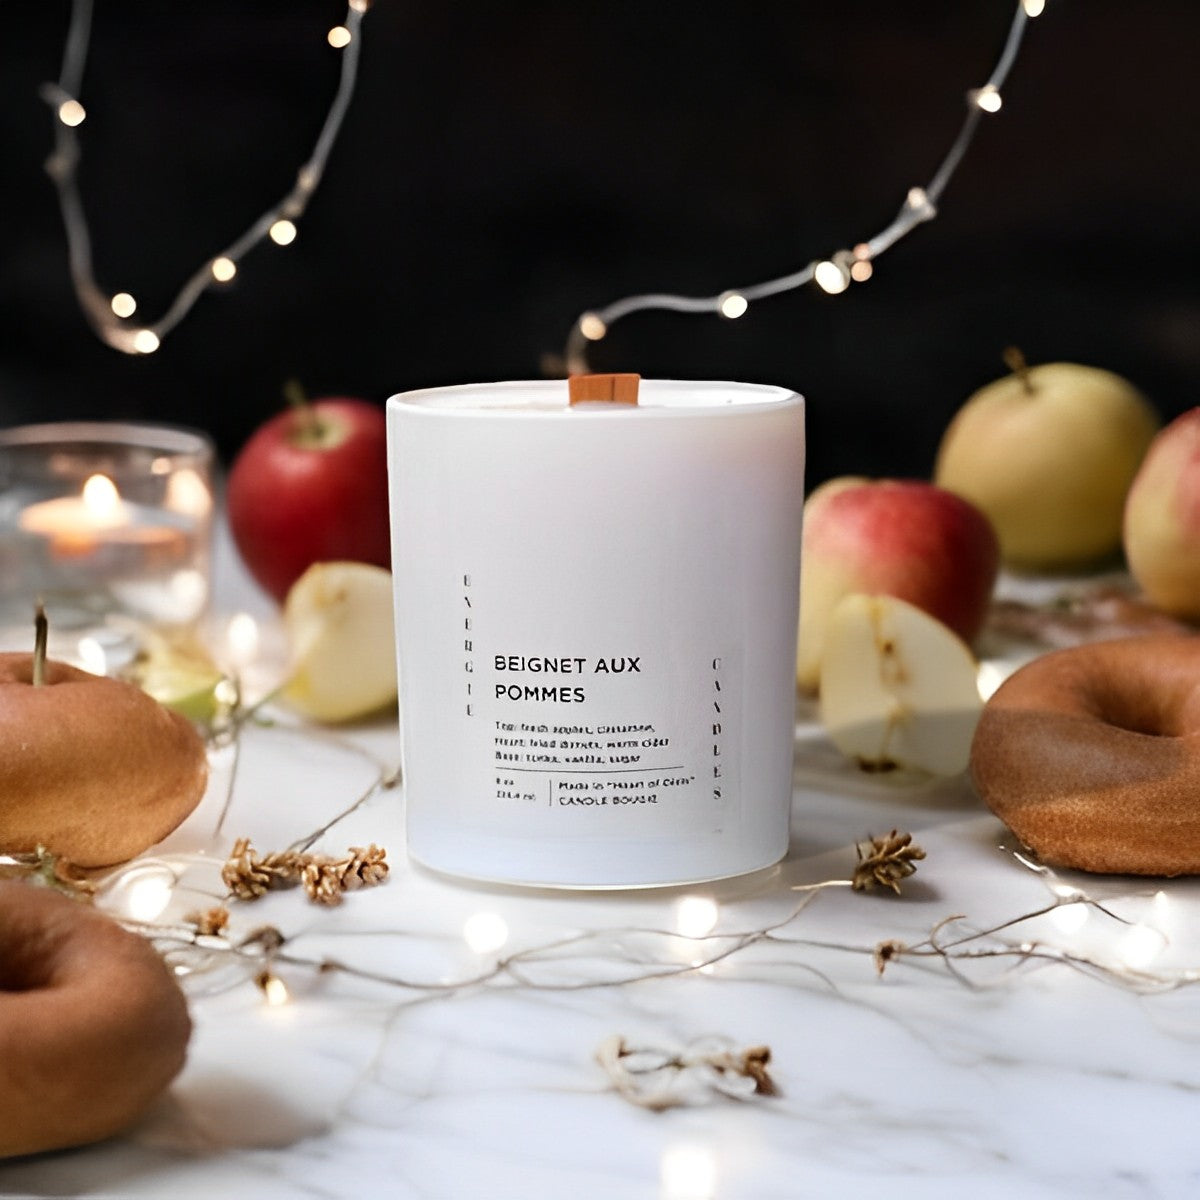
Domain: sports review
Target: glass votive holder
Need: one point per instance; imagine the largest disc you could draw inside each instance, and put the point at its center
(108, 525)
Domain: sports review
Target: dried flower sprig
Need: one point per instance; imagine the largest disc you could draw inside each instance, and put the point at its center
(886, 952)
(249, 875)
(659, 1078)
(212, 922)
(885, 861)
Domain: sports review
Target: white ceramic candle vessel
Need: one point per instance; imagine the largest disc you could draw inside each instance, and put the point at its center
(596, 622)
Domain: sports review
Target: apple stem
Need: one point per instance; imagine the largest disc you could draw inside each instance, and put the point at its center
(297, 397)
(41, 631)
(1015, 361)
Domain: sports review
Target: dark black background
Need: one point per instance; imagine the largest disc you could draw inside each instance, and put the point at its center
(506, 166)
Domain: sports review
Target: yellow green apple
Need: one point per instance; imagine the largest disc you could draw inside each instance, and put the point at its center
(1049, 453)
(898, 688)
(1162, 519)
(904, 538)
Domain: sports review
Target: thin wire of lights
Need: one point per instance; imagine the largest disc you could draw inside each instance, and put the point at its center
(834, 274)
(110, 315)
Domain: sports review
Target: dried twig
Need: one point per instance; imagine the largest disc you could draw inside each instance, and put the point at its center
(659, 1078)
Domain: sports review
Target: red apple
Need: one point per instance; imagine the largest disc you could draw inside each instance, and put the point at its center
(1162, 519)
(311, 486)
(904, 538)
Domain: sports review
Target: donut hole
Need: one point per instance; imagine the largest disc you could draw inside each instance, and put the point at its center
(26, 962)
(1134, 714)
(1135, 704)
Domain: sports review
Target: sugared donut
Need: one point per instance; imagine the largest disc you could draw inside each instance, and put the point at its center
(91, 768)
(92, 1026)
(1091, 756)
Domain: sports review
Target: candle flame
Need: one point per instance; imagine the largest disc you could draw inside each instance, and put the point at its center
(188, 493)
(100, 496)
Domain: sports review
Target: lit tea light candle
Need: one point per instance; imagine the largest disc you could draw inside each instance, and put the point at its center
(79, 525)
(104, 520)
(77, 521)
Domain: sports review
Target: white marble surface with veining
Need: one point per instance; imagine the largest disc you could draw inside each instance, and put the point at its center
(1002, 1076)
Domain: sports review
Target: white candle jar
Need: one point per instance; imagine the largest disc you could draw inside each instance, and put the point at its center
(596, 621)
(108, 524)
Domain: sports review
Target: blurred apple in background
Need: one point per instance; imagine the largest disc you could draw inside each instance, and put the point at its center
(1049, 453)
(898, 688)
(1162, 520)
(311, 486)
(903, 538)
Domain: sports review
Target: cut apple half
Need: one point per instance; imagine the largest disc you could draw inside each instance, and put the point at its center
(898, 688)
(339, 624)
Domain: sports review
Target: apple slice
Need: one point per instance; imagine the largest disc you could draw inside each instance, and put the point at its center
(338, 619)
(898, 688)
(180, 674)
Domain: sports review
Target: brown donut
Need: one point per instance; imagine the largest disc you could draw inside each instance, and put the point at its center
(1091, 756)
(91, 768)
(92, 1025)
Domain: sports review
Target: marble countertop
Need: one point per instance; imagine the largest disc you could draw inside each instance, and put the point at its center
(441, 1039)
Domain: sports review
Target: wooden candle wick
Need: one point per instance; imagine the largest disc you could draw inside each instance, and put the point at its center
(41, 630)
(603, 389)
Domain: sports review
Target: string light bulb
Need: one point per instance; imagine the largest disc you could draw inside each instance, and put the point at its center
(223, 269)
(696, 916)
(146, 341)
(688, 1171)
(861, 268)
(274, 990)
(1033, 8)
(987, 98)
(592, 327)
(733, 305)
(283, 232)
(71, 113)
(1141, 945)
(338, 37)
(123, 304)
(831, 277)
(485, 932)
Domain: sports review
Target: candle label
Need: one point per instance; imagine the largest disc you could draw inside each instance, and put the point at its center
(641, 729)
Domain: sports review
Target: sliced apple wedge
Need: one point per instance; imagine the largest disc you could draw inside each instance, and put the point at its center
(338, 618)
(180, 674)
(898, 688)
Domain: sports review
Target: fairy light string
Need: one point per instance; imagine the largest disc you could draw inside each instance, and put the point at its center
(835, 273)
(111, 316)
